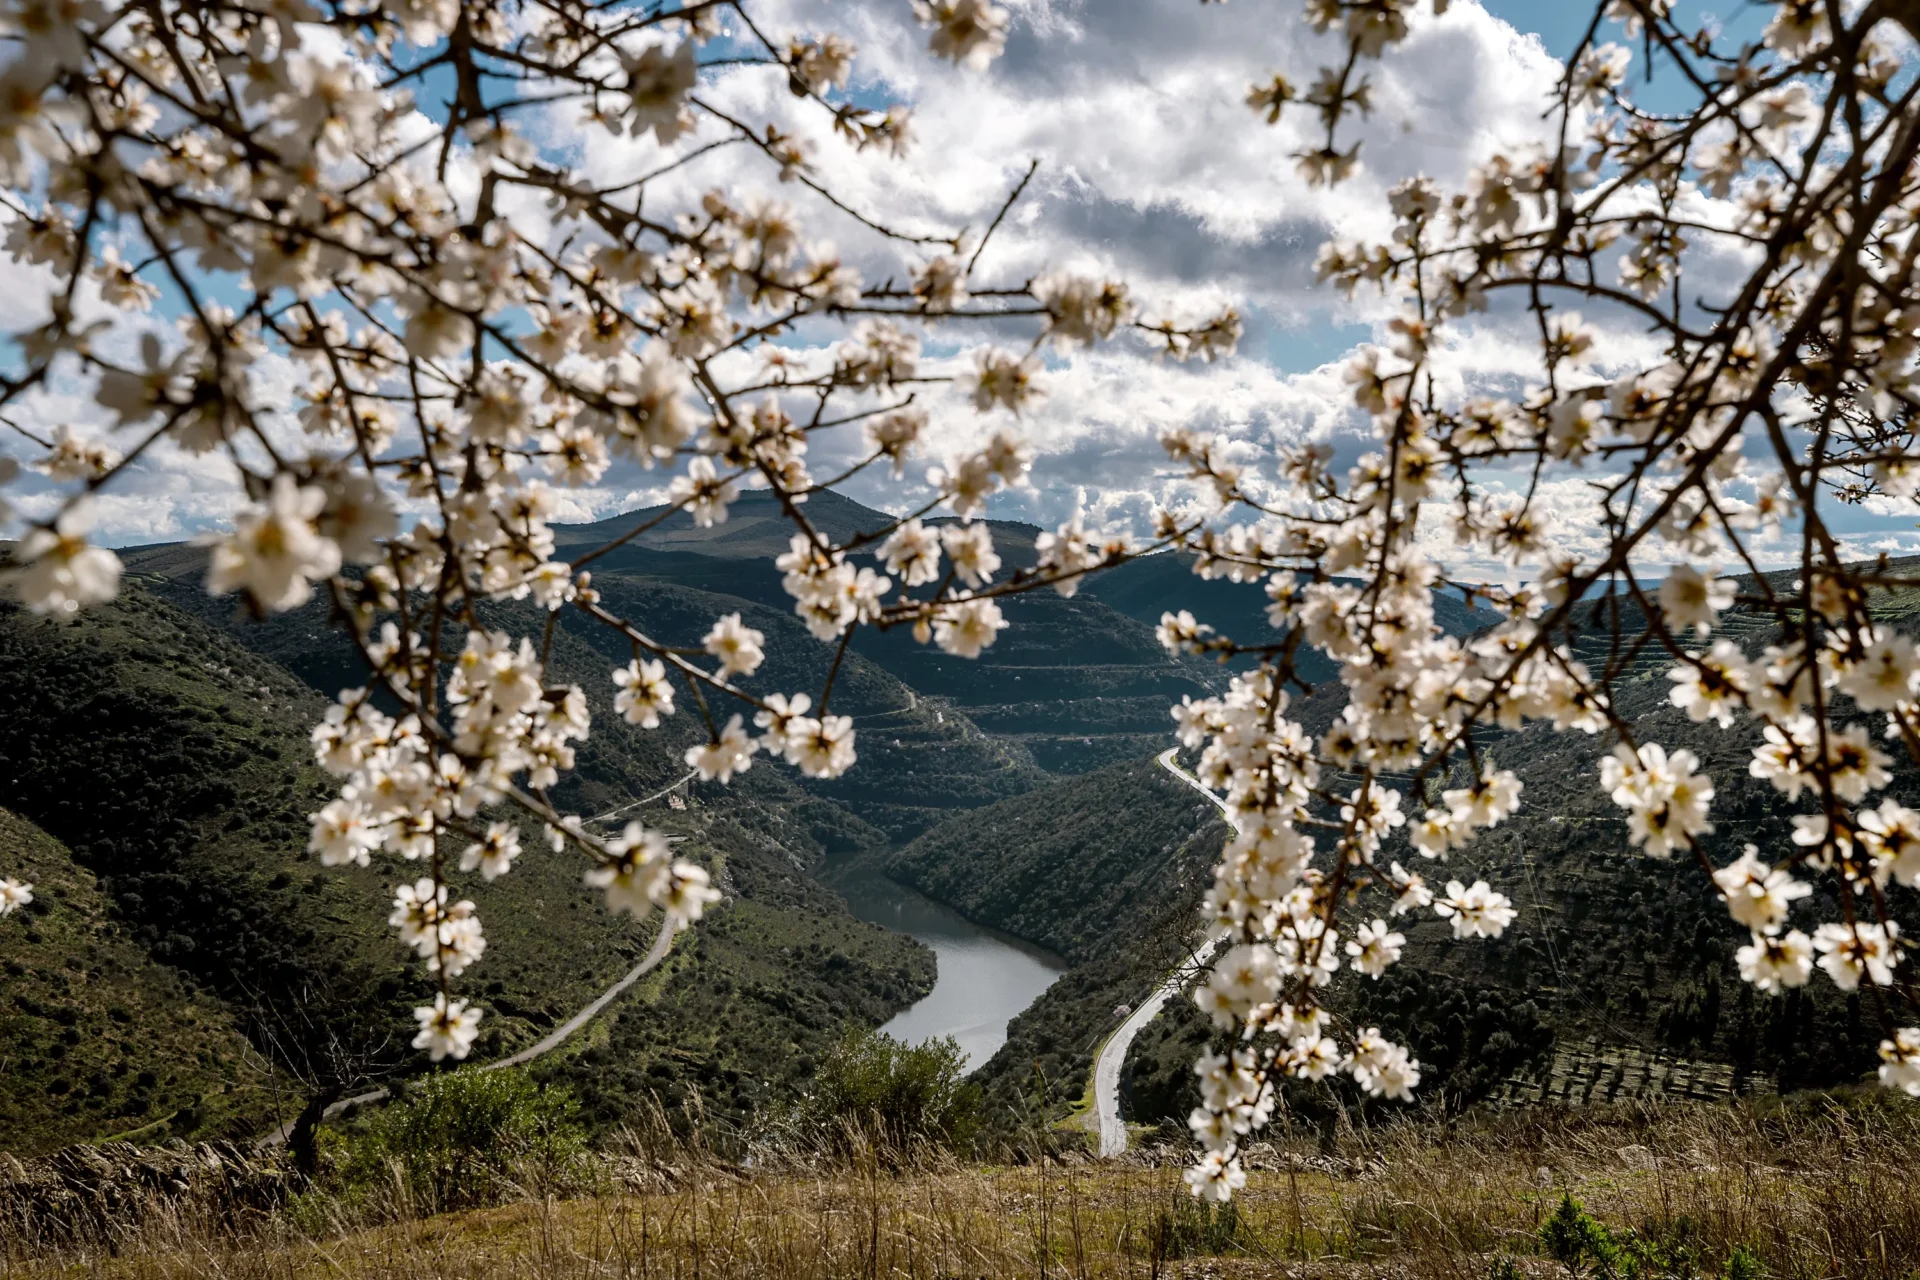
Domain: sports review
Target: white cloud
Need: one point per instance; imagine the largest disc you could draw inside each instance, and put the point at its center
(1152, 168)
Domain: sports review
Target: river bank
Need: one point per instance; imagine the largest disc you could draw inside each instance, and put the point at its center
(984, 977)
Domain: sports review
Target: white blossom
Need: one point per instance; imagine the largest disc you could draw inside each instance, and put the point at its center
(59, 571)
(645, 696)
(1476, 911)
(448, 1028)
(1776, 962)
(913, 552)
(1900, 1061)
(14, 894)
(1375, 948)
(1891, 836)
(821, 748)
(1216, 1177)
(276, 550)
(1690, 598)
(964, 629)
(1003, 378)
(1849, 953)
(344, 831)
(637, 875)
(970, 32)
(739, 647)
(1666, 801)
(1383, 1068)
(970, 548)
(727, 753)
(74, 457)
(658, 82)
(704, 494)
(493, 854)
(1758, 895)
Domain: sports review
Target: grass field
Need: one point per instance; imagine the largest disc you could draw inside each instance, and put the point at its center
(1815, 1189)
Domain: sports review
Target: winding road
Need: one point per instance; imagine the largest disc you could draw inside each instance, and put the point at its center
(662, 943)
(1113, 1054)
(1106, 1067)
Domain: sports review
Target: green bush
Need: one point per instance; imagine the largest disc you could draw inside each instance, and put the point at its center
(1577, 1242)
(893, 1095)
(1586, 1248)
(458, 1138)
(1191, 1228)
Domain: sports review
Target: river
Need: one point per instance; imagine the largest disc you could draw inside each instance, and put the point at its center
(985, 976)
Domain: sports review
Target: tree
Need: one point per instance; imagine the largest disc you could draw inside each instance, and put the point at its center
(483, 322)
(1791, 380)
(301, 1033)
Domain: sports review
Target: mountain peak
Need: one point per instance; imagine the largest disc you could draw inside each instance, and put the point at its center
(755, 526)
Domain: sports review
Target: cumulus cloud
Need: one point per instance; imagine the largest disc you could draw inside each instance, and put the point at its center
(1151, 168)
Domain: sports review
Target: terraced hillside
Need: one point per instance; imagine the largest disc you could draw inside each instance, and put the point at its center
(1071, 685)
(921, 757)
(1616, 980)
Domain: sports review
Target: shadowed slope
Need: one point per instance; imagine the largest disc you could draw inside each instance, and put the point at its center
(96, 1038)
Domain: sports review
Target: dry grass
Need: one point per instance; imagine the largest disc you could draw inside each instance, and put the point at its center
(1813, 1193)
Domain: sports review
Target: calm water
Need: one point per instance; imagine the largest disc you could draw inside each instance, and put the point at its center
(985, 977)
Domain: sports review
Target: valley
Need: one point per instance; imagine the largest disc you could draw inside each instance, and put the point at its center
(172, 702)
(982, 978)
(1016, 859)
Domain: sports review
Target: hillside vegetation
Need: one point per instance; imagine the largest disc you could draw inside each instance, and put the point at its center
(1064, 866)
(160, 743)
(97, 1037)
(1616, 981)
(173, 764)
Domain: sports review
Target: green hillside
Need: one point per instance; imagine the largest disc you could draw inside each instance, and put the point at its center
(1616, 980)
(96, 1037)
(173, 762)
(1062, 867)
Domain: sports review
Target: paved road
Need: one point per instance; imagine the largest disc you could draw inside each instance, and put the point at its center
(1113, 1055)
(662, 943)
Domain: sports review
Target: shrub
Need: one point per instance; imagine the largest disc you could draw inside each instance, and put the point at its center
(893, 1095)
(458, 1138)
(1587, 1248)
(1577, 1242)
